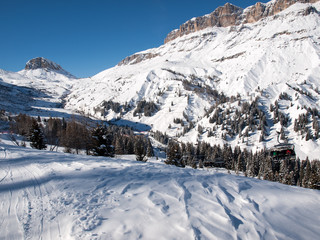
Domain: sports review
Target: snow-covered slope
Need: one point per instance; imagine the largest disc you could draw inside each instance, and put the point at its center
(47, 195)
(37, 91)
(277, 54)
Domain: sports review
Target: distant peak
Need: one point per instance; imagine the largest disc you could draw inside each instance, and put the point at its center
(42, 63)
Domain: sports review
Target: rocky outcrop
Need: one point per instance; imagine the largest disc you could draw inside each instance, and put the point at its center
(136, 58)
(43, 63)
(230, 15)
(47, 65)
(260, 10)
(225, 16)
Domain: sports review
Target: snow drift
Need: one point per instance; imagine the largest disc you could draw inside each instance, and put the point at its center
(47, 195)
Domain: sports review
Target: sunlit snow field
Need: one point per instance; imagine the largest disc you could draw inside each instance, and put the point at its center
(50, 195)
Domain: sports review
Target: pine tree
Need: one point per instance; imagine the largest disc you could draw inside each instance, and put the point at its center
(140, 150)
(150, 152)
(315, 175)
(308, 135)
(284, 171)
(173, 154)
(301, 174)
(296, 172)
(36, 136)
(130, 147)
(239, 164)
(102, 142)
(118, 146)
(307, 174)
(268, 173)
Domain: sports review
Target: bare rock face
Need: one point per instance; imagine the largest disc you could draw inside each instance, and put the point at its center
(255, 13)
(230, 15)
(43, 63)
(225, 16)
(136, 58)
(260, 10)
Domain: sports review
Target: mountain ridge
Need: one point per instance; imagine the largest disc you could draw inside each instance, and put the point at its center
(194, 73)
(231, 15)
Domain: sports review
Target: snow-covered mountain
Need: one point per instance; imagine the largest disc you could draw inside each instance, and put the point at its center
(39, 89)
(277, 54)
(236, 85)
(205, 81)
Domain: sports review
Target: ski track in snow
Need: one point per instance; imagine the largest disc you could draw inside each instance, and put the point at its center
(46, 195)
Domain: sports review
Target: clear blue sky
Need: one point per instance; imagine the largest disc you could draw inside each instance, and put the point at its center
(88, 36)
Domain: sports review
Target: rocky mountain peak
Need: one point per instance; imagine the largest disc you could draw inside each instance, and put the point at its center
(230, 15)
(42, 63)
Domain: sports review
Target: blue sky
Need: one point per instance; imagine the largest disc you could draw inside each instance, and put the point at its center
(89, 36)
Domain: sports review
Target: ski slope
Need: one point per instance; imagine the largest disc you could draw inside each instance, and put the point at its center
(51, 195)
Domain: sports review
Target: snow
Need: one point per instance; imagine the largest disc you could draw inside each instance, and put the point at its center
(50, 195)
(37, 92)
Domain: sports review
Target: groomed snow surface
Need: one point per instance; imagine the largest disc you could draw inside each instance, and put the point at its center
(50, 195)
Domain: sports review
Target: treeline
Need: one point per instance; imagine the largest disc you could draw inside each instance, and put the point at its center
(242, 120)
(143, 107)
(103, 140)
(75, 136)
(302, 122)
(147, 108)
(304, 173)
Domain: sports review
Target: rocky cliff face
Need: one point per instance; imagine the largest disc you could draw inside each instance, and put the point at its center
(225, 16)
(136, 58)
(230, 15)
(43, 63)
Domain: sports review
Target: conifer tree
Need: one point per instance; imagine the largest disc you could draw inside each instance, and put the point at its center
(268, 173)
(307, 174)
(173, 154)
(296, 172)
(140, 150)
(130, 147)
(102, 142)
(36, 136)
(315, 175)
(150, 152)
(118, 146)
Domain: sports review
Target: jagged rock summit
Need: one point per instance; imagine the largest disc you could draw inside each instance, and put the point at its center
(230, 15)
(43, 63)
(47, 65)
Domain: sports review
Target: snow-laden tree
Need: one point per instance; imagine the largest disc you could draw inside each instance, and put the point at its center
(102, 142)
(36, 136)
(140, 150)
